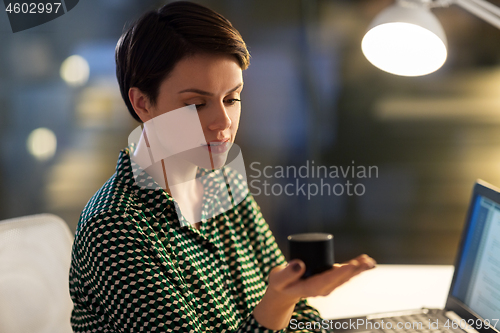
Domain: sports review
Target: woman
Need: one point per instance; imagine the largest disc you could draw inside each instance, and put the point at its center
(161, 246)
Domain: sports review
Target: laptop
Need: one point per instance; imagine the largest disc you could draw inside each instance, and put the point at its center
(473, 303)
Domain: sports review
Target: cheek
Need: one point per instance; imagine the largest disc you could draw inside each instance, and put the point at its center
(204, 119)
(235, 121)
(235, 117)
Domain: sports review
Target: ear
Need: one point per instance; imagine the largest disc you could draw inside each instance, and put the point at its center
(140, 103)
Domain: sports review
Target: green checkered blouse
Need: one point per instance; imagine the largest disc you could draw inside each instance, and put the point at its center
(136, 268)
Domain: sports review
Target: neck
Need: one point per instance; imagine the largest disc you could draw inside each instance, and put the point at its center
(171, 173)
(174, 174)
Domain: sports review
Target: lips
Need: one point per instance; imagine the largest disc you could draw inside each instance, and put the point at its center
(218, 147)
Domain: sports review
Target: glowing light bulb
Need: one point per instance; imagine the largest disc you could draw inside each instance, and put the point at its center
(405, 39)
(404, 49)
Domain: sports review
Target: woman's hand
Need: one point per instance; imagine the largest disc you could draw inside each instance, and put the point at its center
(285, 288)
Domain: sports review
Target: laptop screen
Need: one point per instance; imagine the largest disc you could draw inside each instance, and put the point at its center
(477, 282)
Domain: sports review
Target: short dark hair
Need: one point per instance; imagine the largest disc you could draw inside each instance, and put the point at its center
(151, 47)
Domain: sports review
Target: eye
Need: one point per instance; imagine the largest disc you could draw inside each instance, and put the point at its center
(232, 101)
(198, 106)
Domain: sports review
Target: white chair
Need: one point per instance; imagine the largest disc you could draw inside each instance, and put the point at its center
(35, 255)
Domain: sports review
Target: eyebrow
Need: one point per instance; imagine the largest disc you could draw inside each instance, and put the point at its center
(206, 93)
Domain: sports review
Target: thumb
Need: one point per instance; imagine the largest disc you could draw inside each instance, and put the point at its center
(296, 267)
(284, 275)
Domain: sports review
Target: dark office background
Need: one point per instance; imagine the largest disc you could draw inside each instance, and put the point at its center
(310, 95)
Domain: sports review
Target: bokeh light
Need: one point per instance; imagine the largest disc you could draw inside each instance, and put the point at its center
(75, 71)
(42, 143)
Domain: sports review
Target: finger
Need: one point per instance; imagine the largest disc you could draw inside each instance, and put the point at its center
(319, 284)
(360, 263)
(363, 261)
(283, 276)
(340, 274)
(324, 283)
(369, 262)
(360, 266)
(357, 266)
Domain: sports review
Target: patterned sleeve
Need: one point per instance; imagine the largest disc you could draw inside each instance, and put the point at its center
(119, 285)
(269, 255)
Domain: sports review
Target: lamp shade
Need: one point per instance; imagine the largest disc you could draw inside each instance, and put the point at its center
(405, 39)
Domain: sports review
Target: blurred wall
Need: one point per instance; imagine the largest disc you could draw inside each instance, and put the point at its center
(310, 99)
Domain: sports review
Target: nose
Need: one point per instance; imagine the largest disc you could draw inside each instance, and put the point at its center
(220, 119)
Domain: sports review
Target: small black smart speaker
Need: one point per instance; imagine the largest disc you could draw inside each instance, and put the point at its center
(314, 249)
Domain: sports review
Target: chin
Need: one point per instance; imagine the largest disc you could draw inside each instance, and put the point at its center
(219, 161)
(204, 159)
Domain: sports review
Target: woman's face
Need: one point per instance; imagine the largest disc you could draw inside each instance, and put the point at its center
(213, 83)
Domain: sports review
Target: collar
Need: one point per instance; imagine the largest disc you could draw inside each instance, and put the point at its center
(151, 197)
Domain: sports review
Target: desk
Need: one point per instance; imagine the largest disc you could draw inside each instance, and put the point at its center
(387, 288)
